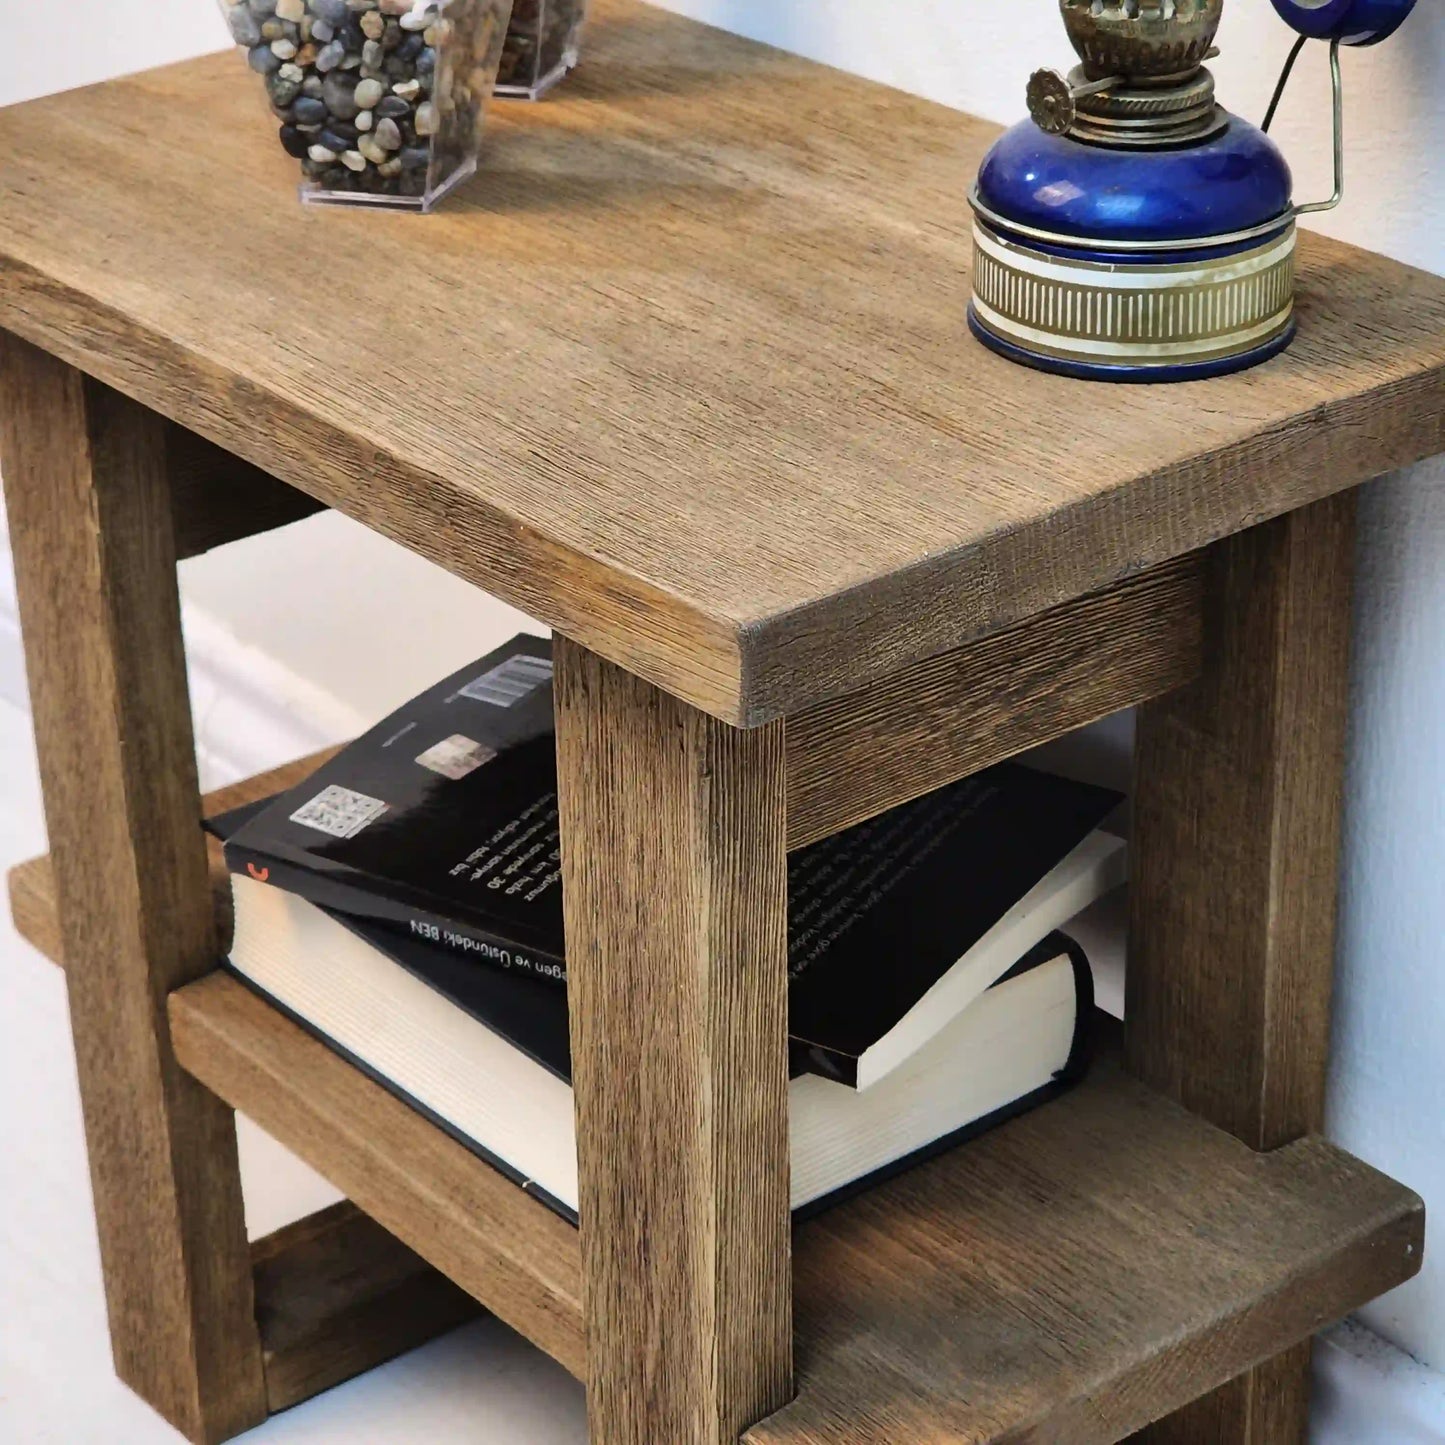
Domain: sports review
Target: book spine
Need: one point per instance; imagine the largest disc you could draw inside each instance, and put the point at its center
(420, 923)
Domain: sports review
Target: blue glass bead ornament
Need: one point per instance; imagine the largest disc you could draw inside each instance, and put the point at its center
(1132, 229)
(1352, 22)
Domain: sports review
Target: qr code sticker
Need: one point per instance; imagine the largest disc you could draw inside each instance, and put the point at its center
(339, 812)
(456, 756)
(510, 681)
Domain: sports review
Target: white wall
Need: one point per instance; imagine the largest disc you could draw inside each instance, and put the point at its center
(365, 624)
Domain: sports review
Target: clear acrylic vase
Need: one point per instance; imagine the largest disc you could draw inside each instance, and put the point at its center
(380, 101)
(542, 46)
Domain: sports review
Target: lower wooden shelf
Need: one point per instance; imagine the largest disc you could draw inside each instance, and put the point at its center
(1068, 1277)
(337, 1294)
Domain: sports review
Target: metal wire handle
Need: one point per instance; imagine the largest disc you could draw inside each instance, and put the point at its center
(1338, 87)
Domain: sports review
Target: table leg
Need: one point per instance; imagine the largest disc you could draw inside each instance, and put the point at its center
(91, 532)
(675, 891)
(1236, 855)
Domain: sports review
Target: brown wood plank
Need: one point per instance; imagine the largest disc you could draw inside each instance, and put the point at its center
(940, 720)
(1067, 1277)
(218, 498)
(1077, 1273)
(496, 1242)
(1236, 860)
(32, 883)
(733, 434)
(336, 1294)
(933, 723)
(89, 514)
(675, 893)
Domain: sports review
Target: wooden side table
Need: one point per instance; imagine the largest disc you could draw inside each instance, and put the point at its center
(684, 374)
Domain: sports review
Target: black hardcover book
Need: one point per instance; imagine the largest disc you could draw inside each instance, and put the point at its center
(484, 1053)
(441, 823)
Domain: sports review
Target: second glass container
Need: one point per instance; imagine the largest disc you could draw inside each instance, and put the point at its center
(541, 46)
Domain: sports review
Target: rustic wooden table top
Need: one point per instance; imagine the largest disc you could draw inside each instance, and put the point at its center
(684, 371)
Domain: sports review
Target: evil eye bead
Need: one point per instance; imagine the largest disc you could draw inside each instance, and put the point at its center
(1352, 22)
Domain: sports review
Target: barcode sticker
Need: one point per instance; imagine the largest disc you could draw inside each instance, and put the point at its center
(456, 756)
(510, 681)
(339, 812)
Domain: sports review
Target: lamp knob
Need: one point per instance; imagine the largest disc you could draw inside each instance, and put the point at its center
(1051, 102)
(1054, 101)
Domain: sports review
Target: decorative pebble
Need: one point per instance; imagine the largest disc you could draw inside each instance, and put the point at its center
(340, 96)
(368, 93)
(293, 142)
(245, 28)
(352, 83)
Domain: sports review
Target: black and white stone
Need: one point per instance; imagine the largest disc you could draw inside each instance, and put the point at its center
(363, 103)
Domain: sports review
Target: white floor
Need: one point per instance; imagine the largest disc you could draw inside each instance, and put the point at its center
(482, 1385)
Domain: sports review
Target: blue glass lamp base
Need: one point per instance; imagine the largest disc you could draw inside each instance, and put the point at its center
(1135, 373)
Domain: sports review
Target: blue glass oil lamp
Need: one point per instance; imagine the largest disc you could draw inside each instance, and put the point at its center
(1134, 230)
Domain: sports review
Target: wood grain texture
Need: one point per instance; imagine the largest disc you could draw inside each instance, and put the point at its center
(336, 1294)
(945, 718)
(733, 434)
(33, 906)
(90, 528)
(1263, 1407)
(496, 1242)
(1076, 1273)
(1067, 1277)
(675, 894)
(217, 498)
(1238, 787)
